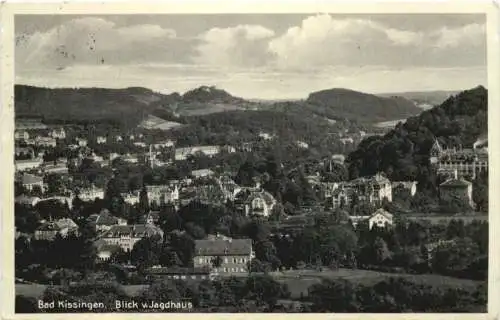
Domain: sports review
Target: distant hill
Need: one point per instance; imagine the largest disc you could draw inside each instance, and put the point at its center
(423, 99)
(351, 104)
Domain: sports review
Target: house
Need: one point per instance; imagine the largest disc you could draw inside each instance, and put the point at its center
(91, 194)
(27, 151)
(30, 181)
(55, 168)
(118, 138)
(21, 135)
(23, 165)
(255, 201)
(101, 139)
(380, 218)
(104, 221)
(130, 158)
(468, 163)
(371, 190)
(266, 136)
(184, 153)
(131, 197)
(223, 256)
(163, 144)
(410, 186)
(140, 144)
(81, 142)
(105, 251)
(202, 173)
(151, 217)
(58, 133)
(126, 236)
(158, 273)
(348, 140)
(228, 187)
(456, 189)
(49, 230)
(302, 144)
(162, 194)
(338, 158)
(27, 200)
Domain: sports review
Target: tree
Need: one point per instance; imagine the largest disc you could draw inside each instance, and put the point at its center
(143, 201)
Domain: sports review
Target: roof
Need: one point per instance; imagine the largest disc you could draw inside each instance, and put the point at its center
(202, 172)
(221, 247)
(248, 195)
(455, 183)
(382, 212)
(66, 223)
(136, 230)
(31, 179)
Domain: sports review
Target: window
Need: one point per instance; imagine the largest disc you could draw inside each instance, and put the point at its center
(183, 277)
(225, 260)
(225, 269)
(193, 277)
(201, 260)
(242, 269)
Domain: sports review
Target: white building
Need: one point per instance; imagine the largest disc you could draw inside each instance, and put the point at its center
(202, 173)
(45, 141)
(59, 133)
(30, 181)
(23, 165)
(91, 194)
(101, 139)
(210, 151)
(127, 236)
(162, 194)
(371, 190)
(82, 142)
(380, 218)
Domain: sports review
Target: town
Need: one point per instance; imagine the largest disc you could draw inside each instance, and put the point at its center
(138, 210)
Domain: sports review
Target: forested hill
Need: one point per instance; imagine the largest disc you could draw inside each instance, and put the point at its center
(129, 104)
(351, 104)
(403, 153)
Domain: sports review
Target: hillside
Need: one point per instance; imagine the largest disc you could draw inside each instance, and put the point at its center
(403, 153)
(86, 104)
(363, 107)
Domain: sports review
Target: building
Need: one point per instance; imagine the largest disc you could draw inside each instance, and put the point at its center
(202, 173)
(130, 158)
(28, 164)
(302, 144)
(151, 217)
(105, 251)
(31, 181)
(380, 218)
(410, 186)
(140, 144)
(45, 141)
(468, 163)
(104, 221)
(162, 194)
(55, 168)
(21, 135)
(131, 197)
(266, 136)
(184, 153)
(456, 189)
(371, 190)
(223, 256)
(27, 200)
(91, 194)
(101, 139)
(59, 133)
(49, 230)
(255, 201)
(81, 142)
(163, 144)
(126, 236)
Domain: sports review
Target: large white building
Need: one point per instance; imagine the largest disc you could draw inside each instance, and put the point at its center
(127, 236)
(23, 165)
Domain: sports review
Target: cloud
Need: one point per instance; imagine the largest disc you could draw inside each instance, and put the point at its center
(90, 41)
(243, 45)
(323, 40)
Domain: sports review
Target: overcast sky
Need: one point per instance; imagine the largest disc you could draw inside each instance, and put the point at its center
(253, 56)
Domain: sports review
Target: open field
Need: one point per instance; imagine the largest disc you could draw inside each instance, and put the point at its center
(299, 281)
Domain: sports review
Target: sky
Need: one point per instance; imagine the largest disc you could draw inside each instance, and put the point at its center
(261, 56)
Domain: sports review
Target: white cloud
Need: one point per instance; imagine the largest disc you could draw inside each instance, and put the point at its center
(244, 45)
(87, 40)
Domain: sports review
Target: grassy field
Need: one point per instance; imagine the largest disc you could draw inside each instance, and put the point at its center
(299, 281)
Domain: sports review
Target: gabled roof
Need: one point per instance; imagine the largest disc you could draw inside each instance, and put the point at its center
(223, 247)
(383, 212)
(136, 230)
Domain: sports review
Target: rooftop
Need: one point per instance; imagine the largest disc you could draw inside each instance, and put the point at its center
(223, 247)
